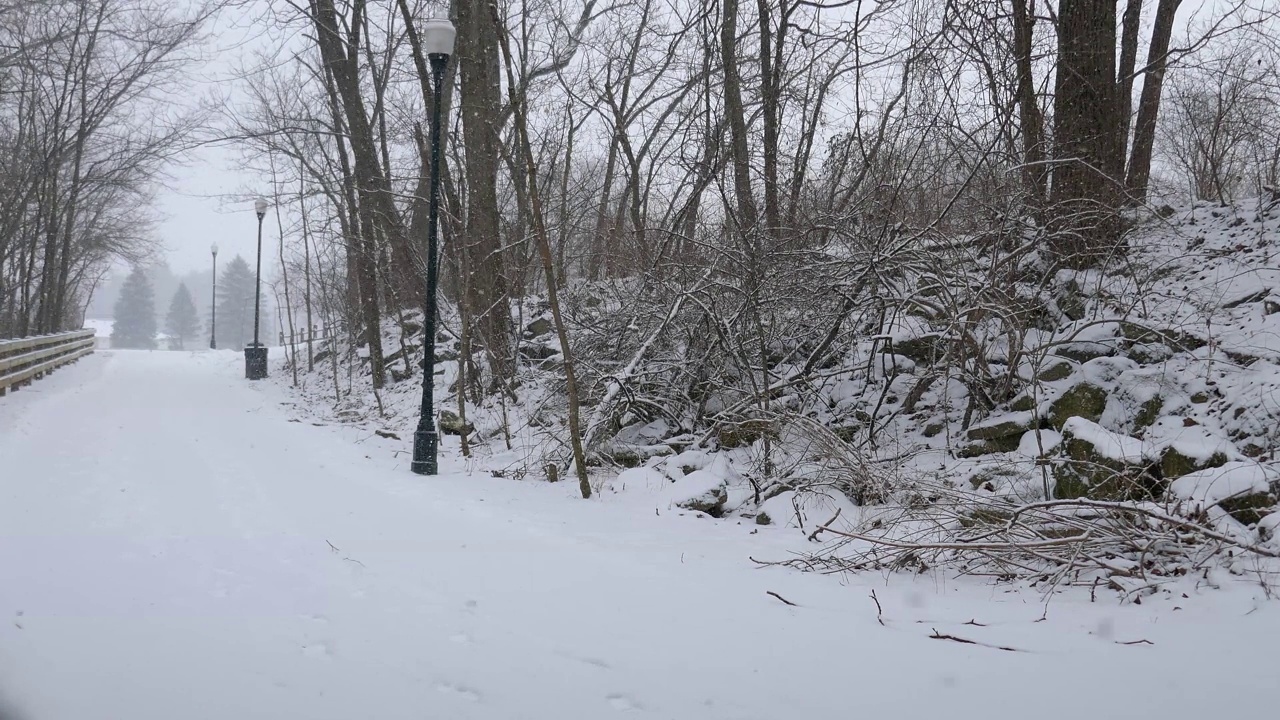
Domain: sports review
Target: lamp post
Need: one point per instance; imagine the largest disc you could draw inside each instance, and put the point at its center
(255, 356)
(213, 321)
(437, 39)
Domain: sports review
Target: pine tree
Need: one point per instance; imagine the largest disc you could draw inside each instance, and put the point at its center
(181, 322)
(135, 314)
(235, 304)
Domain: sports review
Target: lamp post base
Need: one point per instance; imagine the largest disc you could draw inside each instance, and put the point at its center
(425, 445)
(255, 362)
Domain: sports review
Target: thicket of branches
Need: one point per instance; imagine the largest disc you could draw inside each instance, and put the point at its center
(87, 124)
(715, 201)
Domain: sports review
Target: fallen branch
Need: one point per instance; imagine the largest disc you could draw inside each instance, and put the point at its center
(939, 636)
(770, 592)
(813, 536)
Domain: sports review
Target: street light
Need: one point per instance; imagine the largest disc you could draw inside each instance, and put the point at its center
(255, 356)
(437, 39)
(213, 321)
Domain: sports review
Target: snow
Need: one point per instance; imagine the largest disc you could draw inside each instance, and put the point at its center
(176, 542)
(1105, 443)
(1213, 485)
(1195, 441)
(100, 327)
(1039, 443)
(697, 484)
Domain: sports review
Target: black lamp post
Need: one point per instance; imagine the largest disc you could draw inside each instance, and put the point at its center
(255, 356)
(213, 320)
(437, 39)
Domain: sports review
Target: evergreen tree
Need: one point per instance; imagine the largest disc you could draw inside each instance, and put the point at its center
(235, 304)
(181, 322)
(135, 314)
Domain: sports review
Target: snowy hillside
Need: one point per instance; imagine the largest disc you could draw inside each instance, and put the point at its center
(1151, 387)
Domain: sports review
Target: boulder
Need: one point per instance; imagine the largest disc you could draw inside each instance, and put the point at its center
(1147, 413)
(847, 433)
(537, 351)
(987, 447)
(1084, 351)
(1253, 297)
(1084, 400)
(996, 435)
(1249, 509)
(1071, 301)
(1176, 339)
(451, 424)
(630, 456)
(537, 328)
(1002, 426)
(701, 491)
(1023, 403)
(1101, 465)
(923, 350)
(1245, 490)
(1149, 353)
(1058, 370)
(744, 433)
(1175, 462)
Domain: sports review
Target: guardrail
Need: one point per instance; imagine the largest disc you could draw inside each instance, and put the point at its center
(26, 360)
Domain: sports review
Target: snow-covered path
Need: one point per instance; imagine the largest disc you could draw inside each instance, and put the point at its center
(175, 544)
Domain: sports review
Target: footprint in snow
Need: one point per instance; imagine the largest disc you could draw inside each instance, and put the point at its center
(594, 662)
(461, 691)
(321, 649)
(622, 703)
(461, 639)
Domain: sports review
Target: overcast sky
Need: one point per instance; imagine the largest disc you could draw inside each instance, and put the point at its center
(200, 204)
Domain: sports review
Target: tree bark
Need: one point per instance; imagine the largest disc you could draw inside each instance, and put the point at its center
(544, 250)
(362, 248)
(480, 89)
(1144, 134)
(1034, 173)
(769, 92)
(1129, 24)
(1089, 166)
(746, 220)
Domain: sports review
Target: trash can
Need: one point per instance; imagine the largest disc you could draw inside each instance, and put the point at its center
(255, 362)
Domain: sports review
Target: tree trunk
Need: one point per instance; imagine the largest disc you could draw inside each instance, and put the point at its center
(480, 89)
(1034, 173)
(746, 220)
(769, 91)
(1086, 177)
(544, 250)
(1144, 134)
(1129, 24)
(361, 247)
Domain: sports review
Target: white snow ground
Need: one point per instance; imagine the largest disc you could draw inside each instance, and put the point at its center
(175, 544)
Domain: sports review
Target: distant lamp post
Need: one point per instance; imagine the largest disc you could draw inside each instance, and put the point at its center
(437, 39)
(255, 356)
(213, 320)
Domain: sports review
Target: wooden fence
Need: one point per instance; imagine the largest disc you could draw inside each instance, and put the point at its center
(26, 360)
